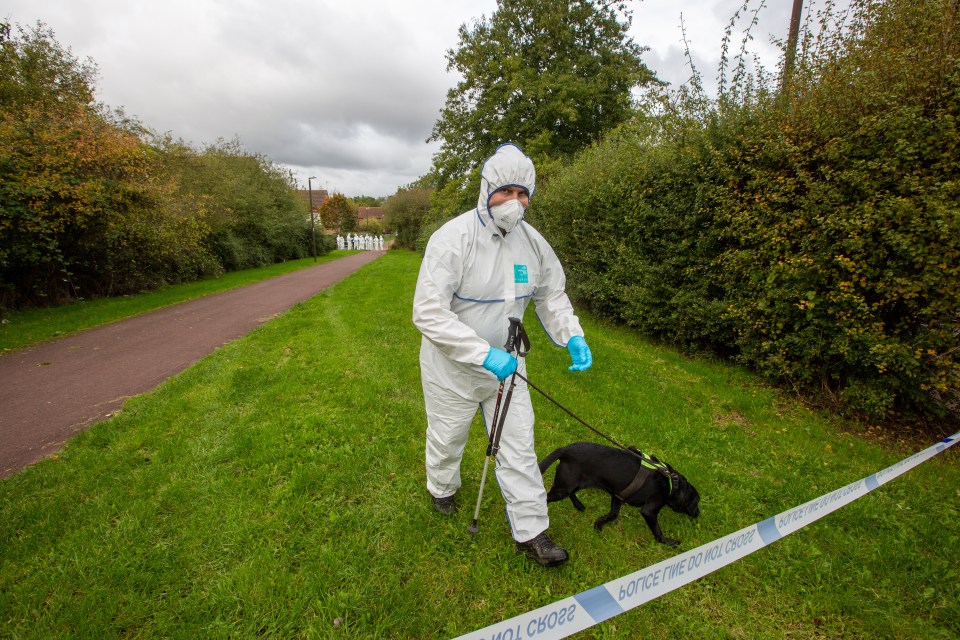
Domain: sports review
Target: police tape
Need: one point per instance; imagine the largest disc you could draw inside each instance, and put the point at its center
(576, 613)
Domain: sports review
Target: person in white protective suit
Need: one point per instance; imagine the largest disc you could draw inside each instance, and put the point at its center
(479, 269)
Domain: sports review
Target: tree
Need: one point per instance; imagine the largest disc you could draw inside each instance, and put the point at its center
(339, 212)
(372, 226)
(405, 212)
(90, 205)
(82, 207)
(549, 75)
(37, 70)
(249, 202)
(368, 201)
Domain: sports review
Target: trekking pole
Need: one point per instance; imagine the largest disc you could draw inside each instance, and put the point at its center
(500, 413)
(473, 528)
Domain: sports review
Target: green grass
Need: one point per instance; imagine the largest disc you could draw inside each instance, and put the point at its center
(23, 328)
(276, 489)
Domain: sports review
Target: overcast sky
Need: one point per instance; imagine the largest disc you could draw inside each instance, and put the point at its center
(344, 91)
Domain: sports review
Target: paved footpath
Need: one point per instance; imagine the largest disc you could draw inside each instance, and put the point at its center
(51, 391)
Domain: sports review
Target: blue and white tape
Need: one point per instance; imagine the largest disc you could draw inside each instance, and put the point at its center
(576, 613)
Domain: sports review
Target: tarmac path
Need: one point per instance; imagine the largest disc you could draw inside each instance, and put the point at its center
(53, 390)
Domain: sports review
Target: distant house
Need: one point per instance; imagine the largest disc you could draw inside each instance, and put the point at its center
(319, 197)
(367, 213)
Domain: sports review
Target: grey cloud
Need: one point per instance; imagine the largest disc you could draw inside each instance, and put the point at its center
(347, 90)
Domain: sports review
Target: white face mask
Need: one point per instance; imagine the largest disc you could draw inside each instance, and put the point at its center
(507, 215)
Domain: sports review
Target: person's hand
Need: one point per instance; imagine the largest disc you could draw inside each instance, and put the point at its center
(579, 353)
(500, 363)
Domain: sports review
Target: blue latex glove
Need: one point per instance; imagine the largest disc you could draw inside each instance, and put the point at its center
(580, 353)
(500, 363)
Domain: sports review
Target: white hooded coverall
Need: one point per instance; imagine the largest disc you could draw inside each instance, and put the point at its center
(472, 280)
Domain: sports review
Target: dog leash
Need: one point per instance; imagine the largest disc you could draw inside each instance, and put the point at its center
(573, 415)
(517, 339)
(645, 461)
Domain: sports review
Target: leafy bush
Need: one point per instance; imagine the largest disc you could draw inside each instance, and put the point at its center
(373, 226)
(813, 234)
(90, 205)
(621, 217)
(83, 207)
(249, 203)
(844, 271)
(405, 212)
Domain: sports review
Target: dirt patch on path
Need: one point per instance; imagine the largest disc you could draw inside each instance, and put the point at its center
(51, 391)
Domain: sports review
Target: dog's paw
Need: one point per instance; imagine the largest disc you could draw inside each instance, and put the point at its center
(670, 542)
(598, 524)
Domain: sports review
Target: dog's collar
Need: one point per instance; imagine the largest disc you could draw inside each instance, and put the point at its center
(650, 463)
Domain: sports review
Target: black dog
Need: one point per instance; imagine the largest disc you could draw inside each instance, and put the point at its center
(628, 476)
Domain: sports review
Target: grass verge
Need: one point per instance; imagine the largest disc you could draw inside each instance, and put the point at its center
(23, 328)
(276, 489)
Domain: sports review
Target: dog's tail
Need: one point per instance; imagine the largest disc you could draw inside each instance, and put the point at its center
(550, 459)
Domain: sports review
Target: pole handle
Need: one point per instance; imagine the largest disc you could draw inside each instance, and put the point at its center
(517, 334)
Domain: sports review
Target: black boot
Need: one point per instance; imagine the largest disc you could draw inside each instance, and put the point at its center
(447, 506)
(543, 550)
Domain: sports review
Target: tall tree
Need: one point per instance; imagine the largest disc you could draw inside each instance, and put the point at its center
(339, 212)
(37, 70)
(550, 75)
(74, 178)
(405, 212)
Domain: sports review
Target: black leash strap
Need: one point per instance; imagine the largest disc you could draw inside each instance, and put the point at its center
(573, 415)
(517, 332)
(645, 460)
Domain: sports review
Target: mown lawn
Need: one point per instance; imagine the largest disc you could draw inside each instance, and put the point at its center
(276, 489)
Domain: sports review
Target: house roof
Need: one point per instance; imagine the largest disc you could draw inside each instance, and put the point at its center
(319, 197)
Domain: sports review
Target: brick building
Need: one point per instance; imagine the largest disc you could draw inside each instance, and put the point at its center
(369, 213)
(319, 197)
